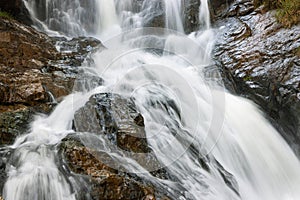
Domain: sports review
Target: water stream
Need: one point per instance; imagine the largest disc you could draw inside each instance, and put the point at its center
(154, 66)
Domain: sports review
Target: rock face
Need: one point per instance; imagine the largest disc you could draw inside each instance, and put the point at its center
(219, 8)
(261, 60)
(105, 182)
(110, 126)
(17, 9)
(117, 118)
(121, 130)
(34, 75)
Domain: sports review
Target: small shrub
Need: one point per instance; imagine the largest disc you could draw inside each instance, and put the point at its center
(269, 4)
(289, 12)
(5, 14)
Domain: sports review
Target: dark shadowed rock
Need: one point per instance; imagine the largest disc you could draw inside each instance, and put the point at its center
(4, 154)
(191, 15)
(116, 117)
(17, 9)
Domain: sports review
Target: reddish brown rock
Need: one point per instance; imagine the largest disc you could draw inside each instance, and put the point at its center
(34, 74)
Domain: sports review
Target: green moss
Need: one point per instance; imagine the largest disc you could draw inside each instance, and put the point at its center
(288, 11)
(5, 15)
(297, 52)
(247, 78)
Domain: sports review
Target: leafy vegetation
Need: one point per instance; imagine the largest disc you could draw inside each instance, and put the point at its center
(5, 14)
(288, 11)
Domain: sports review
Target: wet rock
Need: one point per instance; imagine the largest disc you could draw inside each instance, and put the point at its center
(155, 9)
(77, 49)
(116, 187)
(106, 182)
(34, 75)
(4, 155)
(13, 124)
(261, 59)
(17, 9)
(219, 8)
(229, 8)
(191, 15)
(116, 117)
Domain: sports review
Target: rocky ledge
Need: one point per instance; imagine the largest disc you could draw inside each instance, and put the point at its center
(260, 59)
(110, 136)
(34, 75)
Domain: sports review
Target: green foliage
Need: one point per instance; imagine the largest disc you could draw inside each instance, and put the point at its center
(288, 11)
(269, 4)
(5, 15)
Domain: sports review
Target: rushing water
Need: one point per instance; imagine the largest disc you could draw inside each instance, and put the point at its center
(154, 66)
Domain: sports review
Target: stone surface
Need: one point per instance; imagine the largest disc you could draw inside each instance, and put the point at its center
(117, 118)
(17, 9)
(116, 121)
(191, 15)
(261, 59)
(34, 75)
(106, 183)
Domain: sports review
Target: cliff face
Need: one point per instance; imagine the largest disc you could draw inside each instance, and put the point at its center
(260, 60)
(17, 9)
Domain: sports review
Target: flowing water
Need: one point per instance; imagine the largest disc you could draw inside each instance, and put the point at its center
(154, 66)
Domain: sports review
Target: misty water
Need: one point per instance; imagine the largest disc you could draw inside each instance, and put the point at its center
(156, 65)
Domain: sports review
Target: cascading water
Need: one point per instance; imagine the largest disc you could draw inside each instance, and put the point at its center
(155, 66)
(173, 15)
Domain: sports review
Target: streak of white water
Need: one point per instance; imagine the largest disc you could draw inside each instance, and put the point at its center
(108, 24)
(173, 18)
(204, 15)
(184, 119)
(33, 173)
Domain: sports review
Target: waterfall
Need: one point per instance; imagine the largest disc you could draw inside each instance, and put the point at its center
(173, 15)
(204, 15)
(188, 114)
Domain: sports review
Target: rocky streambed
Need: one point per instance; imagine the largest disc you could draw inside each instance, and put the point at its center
(259, 59)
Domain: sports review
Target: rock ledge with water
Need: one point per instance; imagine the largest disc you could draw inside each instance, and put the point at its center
(34, 75)
(261, 60)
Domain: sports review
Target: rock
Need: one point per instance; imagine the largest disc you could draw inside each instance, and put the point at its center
(34, 75)
(153, 13)
(219, 8)
(4, 155)
(13, 124)
(191, 15)
(17, 9)
(106, 182)
(116, 187)
(117, 118)
(261, 59)
(229, 8)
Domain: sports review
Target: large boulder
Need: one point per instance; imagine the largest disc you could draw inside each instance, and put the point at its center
(111, 125)
(118, 119)
(261, 60)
